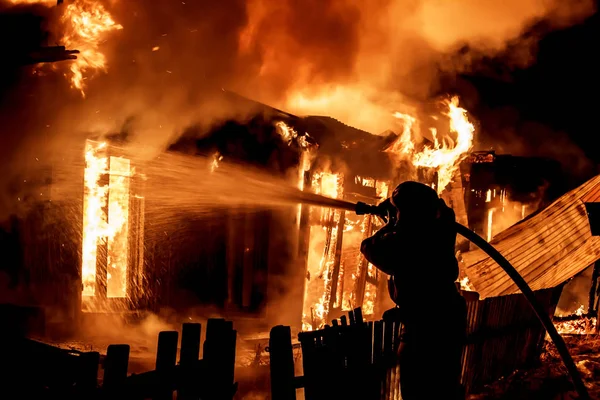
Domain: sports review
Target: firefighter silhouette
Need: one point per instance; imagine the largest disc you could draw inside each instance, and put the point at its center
(416, 248)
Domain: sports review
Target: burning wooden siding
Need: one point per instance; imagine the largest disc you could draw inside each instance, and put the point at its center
(338, 277)
(547, 248)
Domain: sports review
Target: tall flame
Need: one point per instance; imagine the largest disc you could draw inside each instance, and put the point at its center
(105, 219)
(445, 155)
(86, 23)
(44, 2)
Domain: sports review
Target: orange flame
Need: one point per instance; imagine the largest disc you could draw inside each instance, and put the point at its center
(44, 2)
(86, 23)
(322, 256)
(446, 154)
(105, 219)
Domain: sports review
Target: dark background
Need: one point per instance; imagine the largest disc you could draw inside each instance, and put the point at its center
(551, 106)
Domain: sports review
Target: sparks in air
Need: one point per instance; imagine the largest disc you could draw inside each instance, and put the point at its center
(447, 152)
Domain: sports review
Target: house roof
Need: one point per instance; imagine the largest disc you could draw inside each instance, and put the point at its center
(547, 248)
(340, 146)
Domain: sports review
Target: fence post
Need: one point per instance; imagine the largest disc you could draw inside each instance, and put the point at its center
(87, 380)
(282, 363)
(229, 367)
(219, 355)
(358, 317)
(166, 356)
(188, 358)
(115, 370)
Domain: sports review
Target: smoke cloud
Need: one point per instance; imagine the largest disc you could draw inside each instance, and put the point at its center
(357, 62)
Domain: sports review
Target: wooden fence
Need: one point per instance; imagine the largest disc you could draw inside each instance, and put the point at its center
(360, 357)
(33, 369)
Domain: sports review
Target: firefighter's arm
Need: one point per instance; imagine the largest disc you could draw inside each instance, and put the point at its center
(379, 250)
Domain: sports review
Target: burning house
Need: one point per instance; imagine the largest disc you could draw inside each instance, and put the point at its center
(238, 262)
(317, 259)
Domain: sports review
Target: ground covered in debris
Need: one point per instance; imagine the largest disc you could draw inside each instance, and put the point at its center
(550, 380)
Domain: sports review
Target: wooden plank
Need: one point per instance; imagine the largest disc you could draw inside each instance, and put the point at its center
(530, 238)
(115, 366)
(87, 380)
(563, 234)
(555, 208)
(526, 249)
(166, 356)
(281, 364)
(335, 277)
(506, 286)
(586, 255)
(358, 317)
(188, 356)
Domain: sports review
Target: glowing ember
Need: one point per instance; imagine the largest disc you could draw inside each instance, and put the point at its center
(105, 220)
(86, 24)
(581, 326)
(446, 154)
(44, 2)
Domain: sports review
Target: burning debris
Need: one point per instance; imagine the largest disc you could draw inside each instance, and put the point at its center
(580, 326)
(84, 25)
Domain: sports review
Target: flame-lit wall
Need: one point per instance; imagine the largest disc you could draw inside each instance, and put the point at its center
(338, 278)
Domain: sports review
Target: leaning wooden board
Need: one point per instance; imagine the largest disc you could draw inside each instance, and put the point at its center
(547, 248)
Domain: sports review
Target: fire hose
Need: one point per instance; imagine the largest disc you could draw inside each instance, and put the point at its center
(362, 208)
